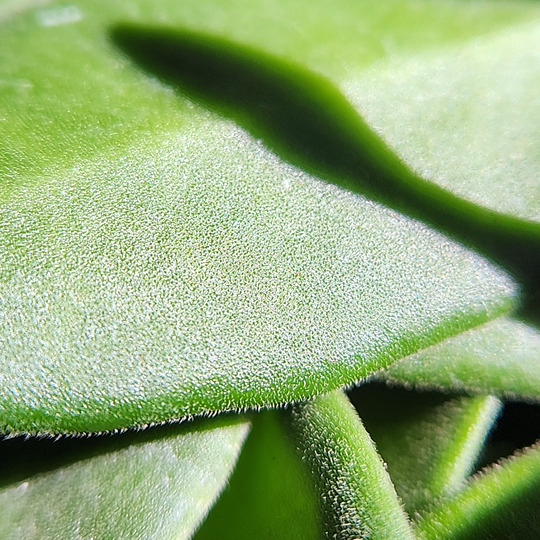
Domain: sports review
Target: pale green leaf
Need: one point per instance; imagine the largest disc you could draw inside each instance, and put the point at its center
(501, 502)
(152, 486)
(271, 494)
(466, 117)
(430, 442)
(501, 357)
(159, 263)
(359, 500)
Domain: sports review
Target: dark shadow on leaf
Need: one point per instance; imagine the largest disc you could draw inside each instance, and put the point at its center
(306, 121)
(23, 457)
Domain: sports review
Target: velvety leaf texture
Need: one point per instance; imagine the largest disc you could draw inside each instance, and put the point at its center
(152, 488)
(212, 206)
(359, 500)
(465, 117)
(189, 270)
(501, 357)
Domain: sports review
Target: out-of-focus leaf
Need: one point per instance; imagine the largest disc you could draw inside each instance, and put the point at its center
(131, 486)
(466, 117)
(359, 500)
(501, 357)
(158, 263)
(270, 495)
(501, 502)
(430, 442)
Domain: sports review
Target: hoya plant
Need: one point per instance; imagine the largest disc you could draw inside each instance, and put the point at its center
(269, 269)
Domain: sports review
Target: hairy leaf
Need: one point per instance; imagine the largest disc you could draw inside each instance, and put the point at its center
(501, 358)
(359, 500)
(159, 263)
(405, 38)
(136, 486)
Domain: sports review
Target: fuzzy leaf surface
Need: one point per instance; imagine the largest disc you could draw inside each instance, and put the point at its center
(501, 358)
(358, 497)
(136, 486)
(157, 262)
(427, 68)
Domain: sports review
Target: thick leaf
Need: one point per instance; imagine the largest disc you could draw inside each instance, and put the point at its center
(502, 502)
(270, 495)
(430, 442)
(331, 41)
(501, 358)
(139, 486)
(159, 263)
(359, 500)
(466, 117)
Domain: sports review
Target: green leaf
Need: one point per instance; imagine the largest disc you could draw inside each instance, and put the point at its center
(270, 495)
(430, 442)
(465, 117)
(332, 42)
(155, 484)
(159, 263)
(501, 357)
(359, 500)
(502, 502)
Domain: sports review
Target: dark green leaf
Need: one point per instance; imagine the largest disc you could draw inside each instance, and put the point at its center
(270, 495)
(430, 442)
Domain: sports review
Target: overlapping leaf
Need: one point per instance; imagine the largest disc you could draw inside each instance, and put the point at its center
(358, 497)
(136, 486)
(158, 263)
(271, 494)
(502, 502)
(430, 442)
(501, 358)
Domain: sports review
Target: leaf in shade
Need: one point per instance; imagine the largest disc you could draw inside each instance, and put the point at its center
(154, 484)
(159, 263)
(430, 442)
(358, 498)
(501, 502)
(270, 495)
(501, 357)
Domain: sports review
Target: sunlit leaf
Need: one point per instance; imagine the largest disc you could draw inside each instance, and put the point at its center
(501, 358)
(159, 263)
